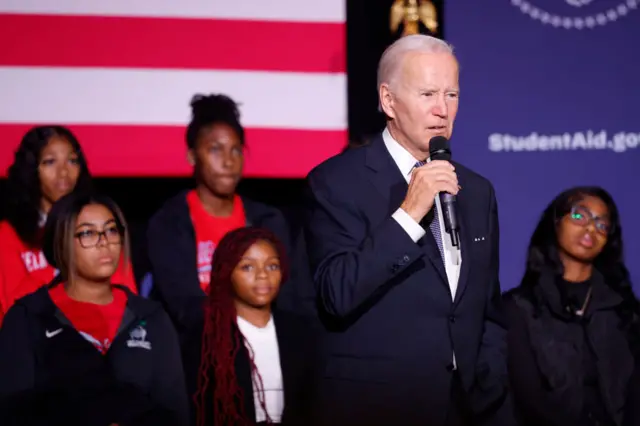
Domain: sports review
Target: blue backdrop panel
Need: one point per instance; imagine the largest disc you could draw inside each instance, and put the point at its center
(550, 98)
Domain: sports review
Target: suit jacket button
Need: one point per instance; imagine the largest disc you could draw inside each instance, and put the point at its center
(406, 258)
(452, 318)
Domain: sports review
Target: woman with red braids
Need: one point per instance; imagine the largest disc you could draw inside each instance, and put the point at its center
(250, 364)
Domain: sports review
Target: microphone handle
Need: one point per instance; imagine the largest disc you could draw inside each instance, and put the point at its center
(448, 203)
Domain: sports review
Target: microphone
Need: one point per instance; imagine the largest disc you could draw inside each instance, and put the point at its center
(439, 150)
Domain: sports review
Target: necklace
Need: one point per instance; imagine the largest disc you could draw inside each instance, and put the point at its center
(580, 312)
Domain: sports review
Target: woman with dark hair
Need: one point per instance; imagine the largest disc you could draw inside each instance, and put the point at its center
(573, 340)
(48, 164)
(249, 363)
(85, 350)
(183, 235)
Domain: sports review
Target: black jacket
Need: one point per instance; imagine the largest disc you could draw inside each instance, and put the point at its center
(551, 351)
(173, 256)
(51, 377)
(299, 362)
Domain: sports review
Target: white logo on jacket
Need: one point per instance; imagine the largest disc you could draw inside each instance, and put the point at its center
(137, 338)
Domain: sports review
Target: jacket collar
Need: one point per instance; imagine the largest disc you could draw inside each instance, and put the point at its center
(177, 209)
(39, 303)
(403, 159)
(602, 296)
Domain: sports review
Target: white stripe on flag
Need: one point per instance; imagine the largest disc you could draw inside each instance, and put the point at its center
(267, 10)
(135, 96)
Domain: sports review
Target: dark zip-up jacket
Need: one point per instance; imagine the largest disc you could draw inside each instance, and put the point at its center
(50, 374)
(556, 359)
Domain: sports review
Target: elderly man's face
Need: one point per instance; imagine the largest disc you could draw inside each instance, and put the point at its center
(424, 98)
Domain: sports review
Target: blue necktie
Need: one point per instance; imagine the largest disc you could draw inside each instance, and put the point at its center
(434, 226)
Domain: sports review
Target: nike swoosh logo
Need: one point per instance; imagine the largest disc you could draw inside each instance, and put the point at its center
(51, 334)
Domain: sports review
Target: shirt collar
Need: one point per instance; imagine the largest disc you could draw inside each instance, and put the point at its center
(244, 324)
(403, 159)
(42, 219)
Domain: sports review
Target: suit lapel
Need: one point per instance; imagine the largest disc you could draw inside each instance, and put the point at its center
(465, 240)
(287, 358)
(429, 245)
(385, 175)
(387, 179)
(245, 381)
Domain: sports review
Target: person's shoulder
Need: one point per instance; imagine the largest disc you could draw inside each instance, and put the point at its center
(9, 239)
(33, 304)
(139, 304)
(517, 302)
(340, 164)
(295, 323)
(259, 207)
(7, 230)
(172, 209)
(148, 310)
(509, 296)
(473, 178)
(266, 216)
(341, 177)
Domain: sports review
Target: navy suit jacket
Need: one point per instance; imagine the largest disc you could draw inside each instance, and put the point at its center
(386, 302)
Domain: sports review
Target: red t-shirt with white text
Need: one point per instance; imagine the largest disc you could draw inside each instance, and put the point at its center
(209, 231)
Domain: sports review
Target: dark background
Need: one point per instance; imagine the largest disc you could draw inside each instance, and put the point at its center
(368, 35)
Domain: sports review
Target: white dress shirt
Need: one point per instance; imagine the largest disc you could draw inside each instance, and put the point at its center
(263, 345)
(452, 255)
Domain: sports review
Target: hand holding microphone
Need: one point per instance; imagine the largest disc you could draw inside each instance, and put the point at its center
(426, 182)
(436, 177)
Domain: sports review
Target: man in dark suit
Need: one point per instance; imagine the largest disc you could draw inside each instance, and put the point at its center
(415, 328)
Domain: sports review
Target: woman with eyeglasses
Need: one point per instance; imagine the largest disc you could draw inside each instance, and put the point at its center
(574, 336)
(48, 164)
(85, 350)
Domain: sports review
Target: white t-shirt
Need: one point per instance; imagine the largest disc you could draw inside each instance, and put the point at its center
(262, 343)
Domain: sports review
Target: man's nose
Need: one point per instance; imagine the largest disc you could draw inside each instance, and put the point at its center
(440, 108)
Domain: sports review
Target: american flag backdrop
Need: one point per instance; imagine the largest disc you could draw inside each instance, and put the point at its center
(121, 73)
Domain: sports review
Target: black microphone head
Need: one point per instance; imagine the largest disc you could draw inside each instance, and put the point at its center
(439, 148)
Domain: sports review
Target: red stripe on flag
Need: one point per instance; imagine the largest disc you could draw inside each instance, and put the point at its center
(148, 151)
(94, 41)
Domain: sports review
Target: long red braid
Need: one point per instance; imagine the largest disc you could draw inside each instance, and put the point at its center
(221, 339)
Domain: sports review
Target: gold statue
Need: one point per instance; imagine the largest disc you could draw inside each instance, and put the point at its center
(410, 13)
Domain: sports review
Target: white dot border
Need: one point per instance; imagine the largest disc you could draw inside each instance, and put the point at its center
(577, 23)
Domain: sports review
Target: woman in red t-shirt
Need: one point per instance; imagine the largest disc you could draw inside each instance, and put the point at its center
(48, 164)
(184, 234)
(84, 350)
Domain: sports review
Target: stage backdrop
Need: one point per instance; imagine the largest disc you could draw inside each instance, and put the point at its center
(121, 73)
(550, 98)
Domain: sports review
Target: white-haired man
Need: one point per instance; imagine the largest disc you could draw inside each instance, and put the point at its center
(415, 330)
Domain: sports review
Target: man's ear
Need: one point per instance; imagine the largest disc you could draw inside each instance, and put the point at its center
(385, 97)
